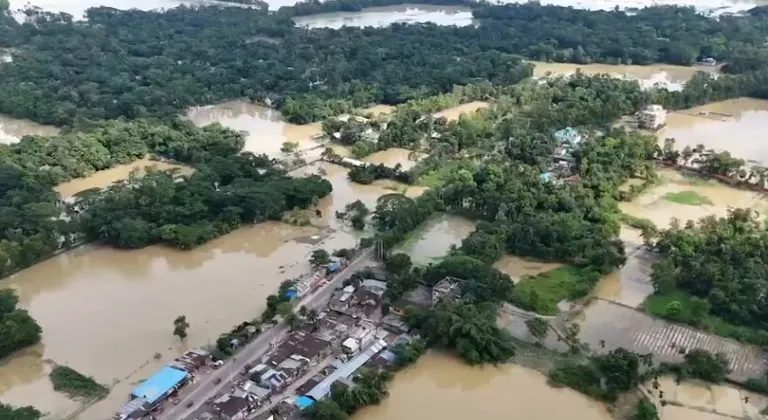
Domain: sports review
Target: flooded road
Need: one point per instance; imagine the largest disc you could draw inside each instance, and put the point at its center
(107, 177)
(13, 129)
(443, 387)
(517, 267)
(736, 125)
(266, 128)
(385, 16)
(655, 204)
(673, 77)
(432, 241)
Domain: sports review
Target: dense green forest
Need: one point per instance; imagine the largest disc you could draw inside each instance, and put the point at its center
(139, 64)
(17, 328)
(21, 413)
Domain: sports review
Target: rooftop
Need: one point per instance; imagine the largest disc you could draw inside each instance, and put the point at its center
(345, 371)
(230, 405)
(159, 384)
(421, 296)
(302, 344)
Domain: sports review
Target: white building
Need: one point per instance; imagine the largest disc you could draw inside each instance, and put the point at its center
(653, 117)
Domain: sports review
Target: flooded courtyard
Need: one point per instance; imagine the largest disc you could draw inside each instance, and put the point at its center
(517, 267)
(736, 125)
(385, 16)
(407, 159)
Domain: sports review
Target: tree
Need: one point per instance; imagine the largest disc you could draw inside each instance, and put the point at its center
(180, 326)
(294, 321)
(701, 364)
(537, 328)
(410, 352)
(673, 309)
(645, 410)
(398, 264)
(8, 412)
(289, 147)
(284, 309)
(319, 258)
(325, 409)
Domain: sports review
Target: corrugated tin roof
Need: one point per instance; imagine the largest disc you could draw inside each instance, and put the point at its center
(159, 384)
(345, 371)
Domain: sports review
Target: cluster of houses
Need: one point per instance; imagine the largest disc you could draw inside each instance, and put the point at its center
(161, 386)
(568, 140)
(327, 353)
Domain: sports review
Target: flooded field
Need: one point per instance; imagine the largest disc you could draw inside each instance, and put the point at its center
(468, 108)
(13, 129)
(693, 400)
(656, 204)
(267, 131)
(443, 387)
(736, 125)
(392, 157)
(517, 267)
(673, 77)
(107, 177)
(378, 109)
(385, 16)
(433, 240)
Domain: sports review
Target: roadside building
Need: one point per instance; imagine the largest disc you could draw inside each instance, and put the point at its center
(653, 117)
(394, 323)
(257, 393)
(293, 366)
(272, 379)
(308, 346)
(133, 410)
(230, 407)
(160, 385)
(369, 295)
(191, 361)
(341, 300)
(345, 370)
(420, 297)
(446, 288)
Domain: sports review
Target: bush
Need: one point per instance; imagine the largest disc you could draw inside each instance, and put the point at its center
(674, 309)
(75, 384)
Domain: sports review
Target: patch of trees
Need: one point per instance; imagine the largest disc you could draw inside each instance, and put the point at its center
(481, 282)
(8, 412)
(366, 174)
(75, 384)
(699, 364)
(355, 212)
(17, 328)
(467, 328)
(605, 376)
(219, 197)
(396, 216)
(721, 261)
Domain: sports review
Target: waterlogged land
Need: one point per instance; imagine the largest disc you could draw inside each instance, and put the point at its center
(662, 203)
(444, 387)
(468, 108)
(13, 129)
(107, 177)
(673, 77)
(516, 267)
(736, 125)
(265, 127)
(385, 16)
(433, 240)
(391, 157)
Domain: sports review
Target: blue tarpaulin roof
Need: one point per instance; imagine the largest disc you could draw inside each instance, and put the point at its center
(159, 384)
(303, 402)
(332, 267)
(291, 294)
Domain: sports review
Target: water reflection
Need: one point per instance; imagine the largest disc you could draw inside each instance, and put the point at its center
(433, 240)
(385, 16)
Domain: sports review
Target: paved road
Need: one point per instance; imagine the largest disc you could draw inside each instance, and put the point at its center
(206, 389)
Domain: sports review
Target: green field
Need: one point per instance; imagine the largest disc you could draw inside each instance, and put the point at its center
(542, 293)
(690, 198)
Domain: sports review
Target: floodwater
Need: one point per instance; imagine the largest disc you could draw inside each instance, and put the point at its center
(517, 267)
(392, 157)
(432, 241)
(652, 204)
(443, 387)
(13, 129)
(673, 77)
(736, 125)
(456, 112)
(133, 297)
(385, 16)
(695, 400)
(379, 109)
(107, 177)
(266, 128)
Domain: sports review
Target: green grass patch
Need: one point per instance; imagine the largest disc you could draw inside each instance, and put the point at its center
(690, 198)
(437, 177)
(75, 384)
(542, 293)
(662, 306)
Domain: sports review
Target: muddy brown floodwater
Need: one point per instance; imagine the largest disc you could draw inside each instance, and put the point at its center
(266, 128)
(107, 177)
(468, 108)
(668, 75)
(13, 129)
(443, 387)
(736, 125)
(391, 157)
(432, 241)
(517, 267)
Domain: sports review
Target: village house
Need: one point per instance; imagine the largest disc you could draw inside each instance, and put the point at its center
(420, 297)
(652, 118)
(230, 407)
(446, 288)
